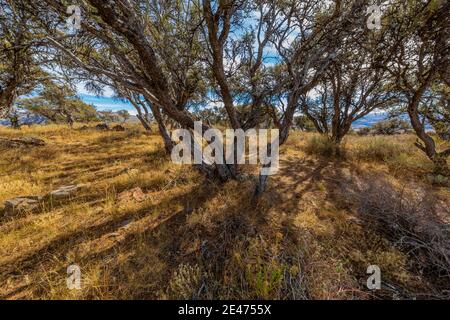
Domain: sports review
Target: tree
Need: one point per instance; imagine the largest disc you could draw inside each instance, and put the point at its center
(421, 61)
(145, 109)
(175, 55)
(308, 41)
(58, 103)
(138, 47)
(355, 84)
(124, 115)
(390, 126)
(303, 123)
(20, 54)
(245, 73)
(435, 108)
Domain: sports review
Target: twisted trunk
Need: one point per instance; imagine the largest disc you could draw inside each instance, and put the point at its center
(168, 143)
(7, 97)
(428, 146)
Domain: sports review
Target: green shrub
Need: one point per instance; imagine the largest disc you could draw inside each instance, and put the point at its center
(391, 126)
(438, 180)
(406, 161)
(377, 149)
(323, 146)
(365, 131)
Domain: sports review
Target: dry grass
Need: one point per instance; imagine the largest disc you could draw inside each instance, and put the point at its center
(321, 145)
(307, 238)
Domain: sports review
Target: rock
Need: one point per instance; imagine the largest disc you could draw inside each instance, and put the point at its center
(134, 194)
(126, 224)
(22, 142)
(21, 204)
(64, 192)
(118, 128)
(102, 126)
(83, 128)
(32, 141)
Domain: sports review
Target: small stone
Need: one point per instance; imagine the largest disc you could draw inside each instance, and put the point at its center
(118, 128)
(22, 142)
(65, 192)
(21, 204)
(102, 126)
(126, 224)
(134, 194)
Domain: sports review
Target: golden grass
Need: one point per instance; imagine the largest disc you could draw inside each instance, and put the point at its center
(193, 238)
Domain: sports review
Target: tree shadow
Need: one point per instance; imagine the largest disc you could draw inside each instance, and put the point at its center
(59, 248)
(391, 217)
(210, 232)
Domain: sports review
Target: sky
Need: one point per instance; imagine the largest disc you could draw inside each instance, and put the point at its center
(106, 101)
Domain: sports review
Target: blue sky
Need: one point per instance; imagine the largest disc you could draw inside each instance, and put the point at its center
(104, 102)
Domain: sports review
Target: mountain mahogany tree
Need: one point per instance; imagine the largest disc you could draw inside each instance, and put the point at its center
(173, 54)
(149, 48)
(420, 30)
(354, 86)
(58, 103)
(21, 54)
(308, 41)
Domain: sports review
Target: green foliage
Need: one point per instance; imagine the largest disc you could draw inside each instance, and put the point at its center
(378, 149)
(124, 115)
(108, 116)
(438, 179)
(322, 145)
(264, 278)
(20, 66)
(303, 123)
(59, 104)
(391, 126)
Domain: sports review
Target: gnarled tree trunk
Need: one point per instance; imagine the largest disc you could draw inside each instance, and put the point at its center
(7, 97)
(428, 146)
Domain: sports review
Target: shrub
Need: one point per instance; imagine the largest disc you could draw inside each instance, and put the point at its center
(364, 131)
(323, 146)
(438, 180)
(185, 283)
(411, 221)
(377, 149)
(303, 123)
(391, 126)
(406, 162)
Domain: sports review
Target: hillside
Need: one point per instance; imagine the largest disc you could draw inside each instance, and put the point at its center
(312, 235)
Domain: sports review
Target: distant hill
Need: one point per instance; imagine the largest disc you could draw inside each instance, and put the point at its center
(367, 121)
(114, 104)
(25, 120)
(370, 120)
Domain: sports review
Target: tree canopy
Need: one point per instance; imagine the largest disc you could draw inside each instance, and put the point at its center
(262, 63)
